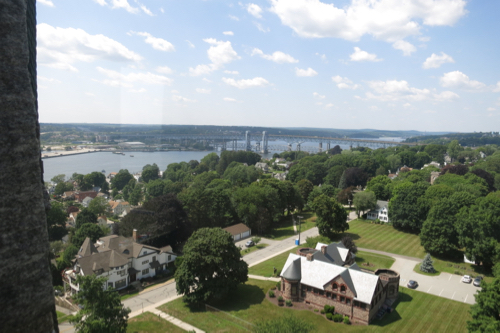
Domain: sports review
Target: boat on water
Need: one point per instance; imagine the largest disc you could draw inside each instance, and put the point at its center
(131, 155)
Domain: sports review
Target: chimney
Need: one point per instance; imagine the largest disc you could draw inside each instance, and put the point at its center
(310, 257)
(134, 235)
(323, 249)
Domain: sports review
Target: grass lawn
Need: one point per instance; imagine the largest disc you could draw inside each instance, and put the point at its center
(253, 248)
(455, 267)
(149, 323)
(285, 227)
(414, 312)
(374, 260)
(62, 317)
(266, 268)
(384, 238)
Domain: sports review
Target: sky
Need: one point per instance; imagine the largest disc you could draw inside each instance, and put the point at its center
(426, 65)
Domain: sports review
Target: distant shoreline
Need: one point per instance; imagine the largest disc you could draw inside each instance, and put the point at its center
(88, 151)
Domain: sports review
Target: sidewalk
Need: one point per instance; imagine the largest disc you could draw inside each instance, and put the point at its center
(175, 321)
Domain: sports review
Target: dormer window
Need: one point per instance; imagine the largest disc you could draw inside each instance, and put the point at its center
(334, 286)
(342, 289)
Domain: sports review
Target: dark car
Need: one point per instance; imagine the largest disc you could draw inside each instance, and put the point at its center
(249, 243)
(412, 284)
(477, 281)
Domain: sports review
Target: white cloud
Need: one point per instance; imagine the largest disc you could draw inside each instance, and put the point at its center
(232, 72)
(393, 90)
(144, 8)
(89, 94)
(322, 56)
(360, 55)
(261, 28)
(206, 80)
(305, 72)
(178, 98)
(48, 3)
(157, 43)
(162, 10)
(491, 109)
(119, 79)
(388, 20)
(164, 70)
(497, 87)
(457, 79)
(229, 99)
(278, 56)
(435, 61)
(62, 47)
(329, 105)
(254, 10)
(424, 39)
(249, 83)
(191, 45)
(404, 46)
(234, 18)
(125, 5)
(46, 79)
(219, 53)
(228, 33)
(203, 91)
(137, 91)
(317, 95)
(344, 83)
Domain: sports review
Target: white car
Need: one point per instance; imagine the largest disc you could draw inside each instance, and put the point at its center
(466, 279)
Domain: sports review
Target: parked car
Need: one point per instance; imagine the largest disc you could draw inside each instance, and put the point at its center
(477, 281)
(249, 243)
(466, 279)
(412, 284)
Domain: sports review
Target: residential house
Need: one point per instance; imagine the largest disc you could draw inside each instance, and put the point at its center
(79, 196)
(239, 231)
(434, 176)
(68, 195)
(262, 166)
(120, 208)
(86, 201)
(433, 163)
(380, 212)
(280, 176)
(318, 281)
(72, 219)
(121, 260)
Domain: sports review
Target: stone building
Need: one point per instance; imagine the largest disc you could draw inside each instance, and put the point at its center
(316, 280)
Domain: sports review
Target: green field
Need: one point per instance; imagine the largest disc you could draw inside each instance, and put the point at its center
(285, 227)
(414, 312)
(149, 323)
(384, 238)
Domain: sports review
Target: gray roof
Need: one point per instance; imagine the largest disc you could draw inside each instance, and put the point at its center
(381, 204)
(318, 274)
(101, 261)
(293, 272)
(123, 245)
(87, 248)
(335, 252)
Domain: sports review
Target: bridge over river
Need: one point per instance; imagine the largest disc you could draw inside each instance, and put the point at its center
(263, 142)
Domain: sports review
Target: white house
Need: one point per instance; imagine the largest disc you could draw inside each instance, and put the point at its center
(380, 212)
(86, 201)
(120, 208)
(121, 260)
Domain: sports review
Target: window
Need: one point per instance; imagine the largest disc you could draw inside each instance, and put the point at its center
(145, 262)
(329, 295)
(342, 289)
(309, 289)
(322, 292)
(120, 284)
(334, 286)
(169, 257)
(154, 258)
(294, 290)
(348, 301)
(342, 299)
(110, 284)
(145, 271)
(144, 253)
(362, 306)
(334, 297)
(356, 303)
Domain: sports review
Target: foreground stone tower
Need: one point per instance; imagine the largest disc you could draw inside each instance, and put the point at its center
(26, 294)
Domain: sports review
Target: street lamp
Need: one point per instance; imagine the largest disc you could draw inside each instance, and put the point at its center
(300, 217)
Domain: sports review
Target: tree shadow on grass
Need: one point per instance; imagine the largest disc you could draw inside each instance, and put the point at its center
(394, 316)
(245, 296)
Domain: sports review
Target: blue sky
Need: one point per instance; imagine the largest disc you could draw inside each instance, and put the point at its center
(429, 65)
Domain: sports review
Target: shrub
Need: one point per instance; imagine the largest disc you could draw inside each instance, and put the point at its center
(316, 310)
(271, 293)
(346, 320)
(337, 318)
(288, 302)
(329, 316)
(280, 298)
(427, 266)
(332, 309)
(278, 285)
(327, 308)
(322, 311)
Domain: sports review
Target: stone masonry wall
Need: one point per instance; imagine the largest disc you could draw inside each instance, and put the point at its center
(26, 294)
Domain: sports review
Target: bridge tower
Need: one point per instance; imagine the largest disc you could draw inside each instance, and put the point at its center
(264, 142)
(328, 145)
(298, 146)
(248, 142)
(223, 147)
(257, 146)
(320, 148)
(289, 147)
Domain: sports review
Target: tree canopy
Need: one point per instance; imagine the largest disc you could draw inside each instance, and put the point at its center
(211, 267)
(121, 179)
(364, 201)
(332, 217)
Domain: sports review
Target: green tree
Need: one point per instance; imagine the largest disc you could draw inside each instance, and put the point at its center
(305, 187)
(427, 264)
(332, 217)
(63, 187)
(380, 185)
(56, 222)
(98, 206)
(364, 201)
(121, 179)
(150, 172)
(84, 217)
(136, 196)
(211, 160)
(102, 310)
(211, 268)
(408, 207)
(58, 179)
(394, 162)
(287, 323)
(454, 149)
(93, 231)
(95, 179)
(485, 316)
